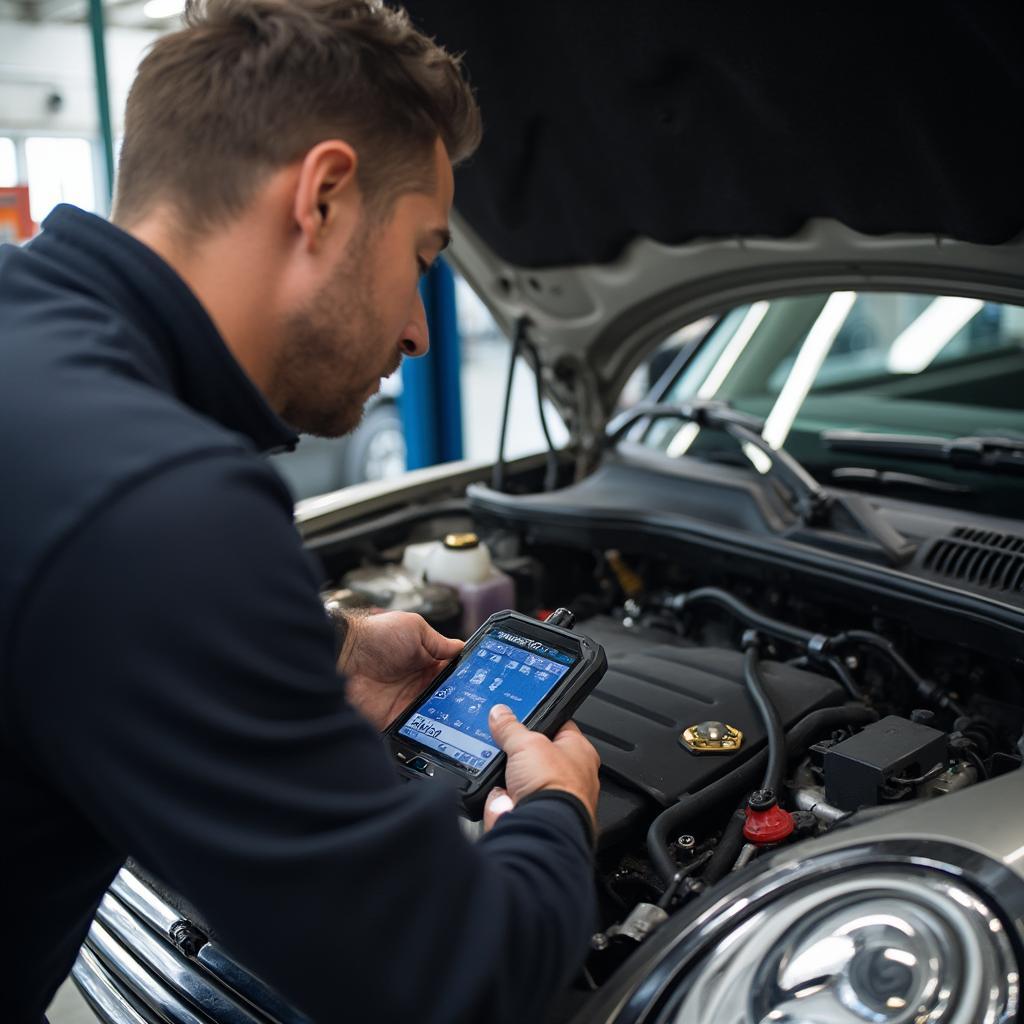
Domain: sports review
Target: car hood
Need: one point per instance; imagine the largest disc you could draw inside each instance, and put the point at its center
(645, 164)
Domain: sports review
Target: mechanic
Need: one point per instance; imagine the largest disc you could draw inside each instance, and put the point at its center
(170, 679)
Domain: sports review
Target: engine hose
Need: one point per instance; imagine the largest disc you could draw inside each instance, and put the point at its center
(929, 691)
(713, 595)
(498, 472)
(690, 807)
(728, 848)
(766, 709)
(843, 675)
(816, 644)
(681, 875)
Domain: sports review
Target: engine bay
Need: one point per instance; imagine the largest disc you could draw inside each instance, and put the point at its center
(866, 703)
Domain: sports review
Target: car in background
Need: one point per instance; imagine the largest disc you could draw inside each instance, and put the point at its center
(375, 450)
(802, 550)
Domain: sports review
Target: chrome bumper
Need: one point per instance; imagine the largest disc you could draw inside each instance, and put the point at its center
(143, 963)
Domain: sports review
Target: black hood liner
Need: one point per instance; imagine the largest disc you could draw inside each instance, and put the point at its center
(678, 120)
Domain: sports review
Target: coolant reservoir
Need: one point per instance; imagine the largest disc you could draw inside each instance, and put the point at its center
(415, 556)
(463, 562)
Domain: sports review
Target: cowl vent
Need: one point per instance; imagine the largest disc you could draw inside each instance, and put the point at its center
(982, 558)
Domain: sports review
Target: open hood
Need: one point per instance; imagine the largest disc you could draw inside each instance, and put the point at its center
(646, 164)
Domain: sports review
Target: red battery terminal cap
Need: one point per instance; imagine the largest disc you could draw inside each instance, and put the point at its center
(767, 822)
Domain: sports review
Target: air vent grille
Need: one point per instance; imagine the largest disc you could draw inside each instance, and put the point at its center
(983, 558)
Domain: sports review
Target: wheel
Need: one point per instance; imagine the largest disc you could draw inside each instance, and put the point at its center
(376, 449)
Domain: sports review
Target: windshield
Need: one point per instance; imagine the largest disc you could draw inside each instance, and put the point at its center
(881, 362)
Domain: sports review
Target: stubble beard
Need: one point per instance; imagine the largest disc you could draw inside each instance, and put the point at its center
(326, 368)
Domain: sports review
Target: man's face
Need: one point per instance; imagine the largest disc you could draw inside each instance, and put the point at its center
(366, 315)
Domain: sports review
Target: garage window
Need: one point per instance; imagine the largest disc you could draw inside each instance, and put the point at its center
(60, 170)
(8, 163)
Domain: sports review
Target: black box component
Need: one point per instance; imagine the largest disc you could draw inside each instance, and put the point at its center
(857, 769)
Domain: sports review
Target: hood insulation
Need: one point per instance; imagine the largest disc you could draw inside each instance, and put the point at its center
(675, 120)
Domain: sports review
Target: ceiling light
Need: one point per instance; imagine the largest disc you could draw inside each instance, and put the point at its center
(160, 10)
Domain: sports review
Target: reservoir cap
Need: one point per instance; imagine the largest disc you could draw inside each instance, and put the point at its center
(461, 541)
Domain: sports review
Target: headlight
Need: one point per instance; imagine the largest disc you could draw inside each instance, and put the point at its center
(886, 945)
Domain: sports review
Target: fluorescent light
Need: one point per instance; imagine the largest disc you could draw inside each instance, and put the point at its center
(727, 360)
(160, 10)
(760, 460)
(684, 437)
(801, 377)
(687, 434)
(930, 333)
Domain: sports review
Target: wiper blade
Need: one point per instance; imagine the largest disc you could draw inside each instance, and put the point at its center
(862, 475)
(813, 504)
(985, 454)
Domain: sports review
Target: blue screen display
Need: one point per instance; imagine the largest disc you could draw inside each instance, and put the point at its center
(503, 668)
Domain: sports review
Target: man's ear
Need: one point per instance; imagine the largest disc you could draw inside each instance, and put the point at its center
(327, 197)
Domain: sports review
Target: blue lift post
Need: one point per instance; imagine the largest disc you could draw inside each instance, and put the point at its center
(99, 53)
(431, 400)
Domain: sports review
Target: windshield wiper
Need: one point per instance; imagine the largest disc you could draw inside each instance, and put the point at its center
(809, 498)
(703, 412)
(985, 454)
(883, 478)
(812, 503)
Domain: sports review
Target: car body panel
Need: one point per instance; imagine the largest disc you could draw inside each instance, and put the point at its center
(594, 324)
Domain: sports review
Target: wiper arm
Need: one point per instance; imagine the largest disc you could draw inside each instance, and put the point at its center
(700, 411)
(863, 475)
(809, 498)
(986, 454)
(812, 503)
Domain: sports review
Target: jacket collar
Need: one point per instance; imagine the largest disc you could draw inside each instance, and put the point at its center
(191, 357)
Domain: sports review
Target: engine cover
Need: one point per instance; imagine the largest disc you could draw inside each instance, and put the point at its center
(655, 688)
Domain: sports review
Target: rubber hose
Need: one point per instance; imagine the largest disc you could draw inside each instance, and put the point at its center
(844, 676)
(769, 715)
(929, 691)
(744, 778)
(728, 848)
(498, 472)
(773, 627)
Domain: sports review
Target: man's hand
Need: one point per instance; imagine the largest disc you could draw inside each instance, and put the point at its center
(568, 762)
(389, 659)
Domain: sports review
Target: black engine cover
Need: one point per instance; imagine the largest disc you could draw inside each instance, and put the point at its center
(657, 686)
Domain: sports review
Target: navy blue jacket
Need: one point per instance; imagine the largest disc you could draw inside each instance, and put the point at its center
(168, 689)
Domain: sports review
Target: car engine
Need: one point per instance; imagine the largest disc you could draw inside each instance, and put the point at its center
(743, 709)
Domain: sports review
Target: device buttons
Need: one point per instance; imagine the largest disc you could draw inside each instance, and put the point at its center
(421, 765)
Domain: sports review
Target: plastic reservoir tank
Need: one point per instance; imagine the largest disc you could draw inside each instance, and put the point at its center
(463, 562)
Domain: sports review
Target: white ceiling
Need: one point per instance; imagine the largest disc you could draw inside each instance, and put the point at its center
(117, 13)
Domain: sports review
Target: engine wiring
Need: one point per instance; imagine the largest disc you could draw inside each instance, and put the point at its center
(816, 646)
(692, 807)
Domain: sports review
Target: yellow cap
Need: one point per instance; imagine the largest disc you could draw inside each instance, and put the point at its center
(461, 541)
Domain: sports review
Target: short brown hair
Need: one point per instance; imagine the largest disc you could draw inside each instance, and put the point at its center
(249, 86)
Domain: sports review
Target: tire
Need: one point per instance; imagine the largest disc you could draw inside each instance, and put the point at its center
(376, 449)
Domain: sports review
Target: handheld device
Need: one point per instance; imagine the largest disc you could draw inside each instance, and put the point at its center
(541, 670)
